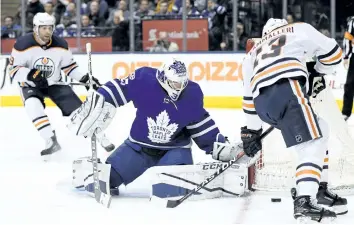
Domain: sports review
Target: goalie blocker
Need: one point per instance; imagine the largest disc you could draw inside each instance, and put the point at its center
(169, 182)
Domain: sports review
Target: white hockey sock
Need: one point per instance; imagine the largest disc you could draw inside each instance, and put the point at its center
(324, 177)
(310, 163)
(35, 110)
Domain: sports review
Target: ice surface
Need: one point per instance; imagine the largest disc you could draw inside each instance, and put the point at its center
(35, 192)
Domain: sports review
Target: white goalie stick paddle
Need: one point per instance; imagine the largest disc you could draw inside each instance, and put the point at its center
(102, 198)
(223, 168)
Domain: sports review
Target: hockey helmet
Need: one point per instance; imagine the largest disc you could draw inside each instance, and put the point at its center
(173, 77)
(273, 24)
(42, 19)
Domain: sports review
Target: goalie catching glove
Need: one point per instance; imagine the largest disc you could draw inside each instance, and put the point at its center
(95, 114)
(224, 151)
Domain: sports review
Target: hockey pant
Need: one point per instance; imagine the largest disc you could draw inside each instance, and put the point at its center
(301, 129)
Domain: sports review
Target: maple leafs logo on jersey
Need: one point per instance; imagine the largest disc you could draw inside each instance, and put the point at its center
(161, 131)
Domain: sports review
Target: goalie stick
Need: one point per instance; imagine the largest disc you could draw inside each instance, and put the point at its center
(67, 83)
(102, 198)
(175, 203)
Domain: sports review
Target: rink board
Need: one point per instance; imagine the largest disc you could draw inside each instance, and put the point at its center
(219, 75)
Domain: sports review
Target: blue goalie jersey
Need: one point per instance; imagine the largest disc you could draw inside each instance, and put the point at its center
(160, 122)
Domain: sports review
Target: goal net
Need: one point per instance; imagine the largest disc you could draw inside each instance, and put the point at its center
(275, 170)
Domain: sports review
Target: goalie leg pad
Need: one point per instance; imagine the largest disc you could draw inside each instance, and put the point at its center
(94, 114)
(172, 182)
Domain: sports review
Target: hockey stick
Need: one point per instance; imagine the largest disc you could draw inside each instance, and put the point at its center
(3, 78)
(102, 198)
(175, 203)
(67, 83)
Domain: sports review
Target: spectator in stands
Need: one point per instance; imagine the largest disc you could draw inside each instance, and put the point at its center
(98, 20)
(29, 22)
(144, 9)
(87, 29)
(34, 7)
(59, 9)
(289, 18)
(191, 10)
(70, 14)
(9, 29)
(110, 25)
(100, 9)
(200, 5)
(122, 6)
(297, 12)
(49, 8)
(65, 28)
(216, 14)
(119, 32)
(169, 4)
(241, 39)
(163, 44)
(17, 17)
(163, 9)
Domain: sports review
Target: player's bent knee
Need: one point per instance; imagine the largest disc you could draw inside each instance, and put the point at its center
(34, 100)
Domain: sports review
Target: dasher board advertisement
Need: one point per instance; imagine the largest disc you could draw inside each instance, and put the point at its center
(197, 33)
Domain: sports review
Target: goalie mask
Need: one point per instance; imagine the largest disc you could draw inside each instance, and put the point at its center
(173, 77)
(273, 24)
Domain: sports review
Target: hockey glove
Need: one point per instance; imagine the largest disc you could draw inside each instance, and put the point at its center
(38, 78)
(85, 79)
(251, 141)
(319, 85)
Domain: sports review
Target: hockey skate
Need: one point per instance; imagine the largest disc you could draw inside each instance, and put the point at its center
(325, 197)
(105, 142)
(52, 146)
(307, 209)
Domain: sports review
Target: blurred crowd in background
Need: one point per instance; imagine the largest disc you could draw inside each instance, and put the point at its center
(111, 18)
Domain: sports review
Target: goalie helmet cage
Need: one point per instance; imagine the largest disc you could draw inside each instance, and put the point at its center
(275, 169)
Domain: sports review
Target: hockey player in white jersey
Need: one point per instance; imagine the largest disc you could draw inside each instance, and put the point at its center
(276, 91)
(37, 60)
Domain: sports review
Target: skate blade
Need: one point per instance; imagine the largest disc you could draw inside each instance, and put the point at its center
(308, 220)
(52, 157)
(338, 209)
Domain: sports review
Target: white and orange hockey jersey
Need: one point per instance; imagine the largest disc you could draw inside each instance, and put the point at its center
(283, 54)
(52, 58)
